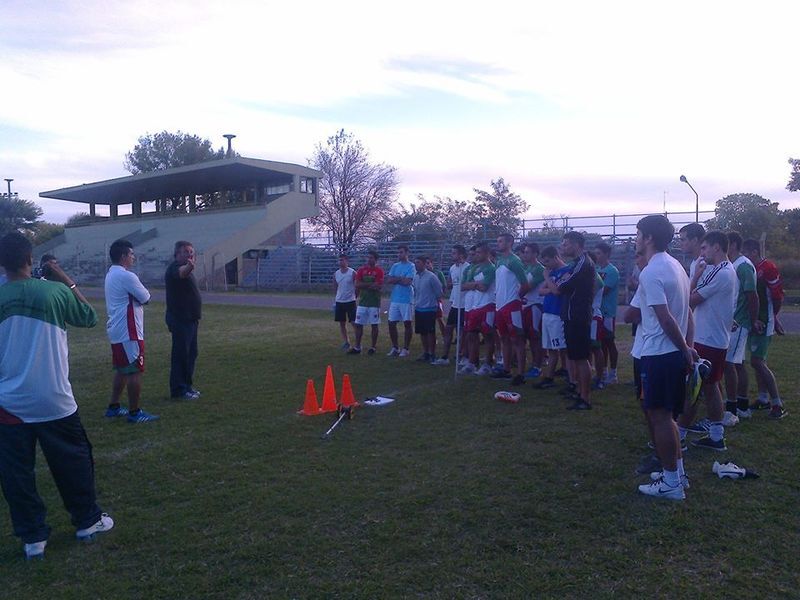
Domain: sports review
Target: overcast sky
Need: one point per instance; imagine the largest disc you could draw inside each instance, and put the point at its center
(583, 107)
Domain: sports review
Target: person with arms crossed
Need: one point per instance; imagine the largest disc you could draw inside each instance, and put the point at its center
(667, 332)
(608, 306)
(125, 300)
(184, 310)
(712, 300)
(344, 281)
(455, 316)
(746, 321)
(36, 400)
(553, 340)
(770, 298)
(401, 275)
(369, 282)
(428, 292)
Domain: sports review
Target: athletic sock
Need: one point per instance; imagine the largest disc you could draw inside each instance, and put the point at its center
(742, 402)
(671, 478)
(776, 401)
(682, 431)
(716, 431)
(681, 472)
(730, 406)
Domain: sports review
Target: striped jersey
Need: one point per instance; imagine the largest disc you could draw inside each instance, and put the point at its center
(713, 317)
(125, 297)
(34, 356)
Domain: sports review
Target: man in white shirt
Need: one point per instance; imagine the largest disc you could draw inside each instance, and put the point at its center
(713, 300)
(125, 299)
(667, 332)
(456, 314)
(345, 308)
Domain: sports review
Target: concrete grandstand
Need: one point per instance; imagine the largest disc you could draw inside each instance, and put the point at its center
(234, 210)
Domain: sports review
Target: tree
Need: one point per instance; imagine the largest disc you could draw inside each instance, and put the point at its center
(354, 193)
(749, 214)
(78, 218)
(159, 151)
(46, 232)
(794, 177)
(19, 215)
(498, 210)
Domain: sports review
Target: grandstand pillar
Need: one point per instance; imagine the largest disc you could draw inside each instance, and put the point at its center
(136, 208)
(192, 203)
(112, 211)
(92, 210)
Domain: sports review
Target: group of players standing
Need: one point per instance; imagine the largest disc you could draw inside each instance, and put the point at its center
(563, 302)
(506, 302)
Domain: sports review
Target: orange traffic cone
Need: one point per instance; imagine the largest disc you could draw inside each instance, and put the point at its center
(310, 406)
(347, 393)
(329, 393)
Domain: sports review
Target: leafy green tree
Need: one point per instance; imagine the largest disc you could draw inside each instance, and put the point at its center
(165, 150)
(749, 214)
(46, 232)
(794, 176)
(19, 215)
(498, 210)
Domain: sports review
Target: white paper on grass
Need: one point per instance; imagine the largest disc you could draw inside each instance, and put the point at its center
(378, 401)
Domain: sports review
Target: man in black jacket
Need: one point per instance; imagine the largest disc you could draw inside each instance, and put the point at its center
(183, 317)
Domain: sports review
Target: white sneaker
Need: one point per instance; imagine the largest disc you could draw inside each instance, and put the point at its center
(484, 370)
(35, 550)
(729, 419)
(744, 414)
(656, 475)
(393, 352)
(729, 470)
(467, 369)
(403, 353)
(660, 489)
(105, 523)
(463, 362)
(441, 361)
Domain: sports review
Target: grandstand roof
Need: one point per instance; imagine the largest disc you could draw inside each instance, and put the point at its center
(211, 176)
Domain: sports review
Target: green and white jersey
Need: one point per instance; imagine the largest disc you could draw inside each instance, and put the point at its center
(34, 357)
(510, 274)
(535, 277)
(482, 273)
(746, 275)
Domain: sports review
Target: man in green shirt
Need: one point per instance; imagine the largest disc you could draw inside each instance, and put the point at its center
(369, 282)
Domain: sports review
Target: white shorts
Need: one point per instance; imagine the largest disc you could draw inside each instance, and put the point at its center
(553, 332)
(400, 312)
(368, 315)
(737, 346)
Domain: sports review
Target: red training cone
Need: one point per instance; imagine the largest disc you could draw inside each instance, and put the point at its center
(347, 392)
(310, 406)
(329, 393)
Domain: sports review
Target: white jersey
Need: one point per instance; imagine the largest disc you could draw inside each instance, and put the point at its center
(345, 285)
(457, 297)
(713, 317)
(125, 297)
(662, 282)
(636, 350)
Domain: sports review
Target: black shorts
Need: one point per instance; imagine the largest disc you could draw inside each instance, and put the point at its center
(344, 311)
(664, 382)
(424, 321)
(452, 317)
(637, 378)
(578, 335)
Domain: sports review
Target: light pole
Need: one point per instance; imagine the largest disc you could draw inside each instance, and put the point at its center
(229, 137)
(8, 181)
(696, 199)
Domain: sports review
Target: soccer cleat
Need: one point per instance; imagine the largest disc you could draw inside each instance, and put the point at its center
(545, 384)
(500, 374)
(393, 352)
(196, 393)
(660, 489)
(441, 361)
(579, 404)
(105, 524)
(142, 417)
(403, 353)
(760, 405)
(744, 414)
(484, 370)
(732, 471)
(120, 411)
(656, 475)
(777, 412)
(729, 419)
(345, 346)
(533, 372)
(463, 361)
(701, 426)
(188, 396)
(467, 369)
(599, 384)
(518, 380)
(707, 442)
(35, 550)
(371, 351)
(354, 350)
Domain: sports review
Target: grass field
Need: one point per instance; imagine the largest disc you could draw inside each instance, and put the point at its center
(445, 493)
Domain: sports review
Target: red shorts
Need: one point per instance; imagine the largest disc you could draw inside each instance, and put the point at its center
(128, 357)
(597, 330)
(716, 356)
(480, 319)
(532, 321)
(509, 319)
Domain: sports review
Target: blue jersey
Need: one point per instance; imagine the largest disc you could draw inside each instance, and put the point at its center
(551, 303)
(402, 293)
